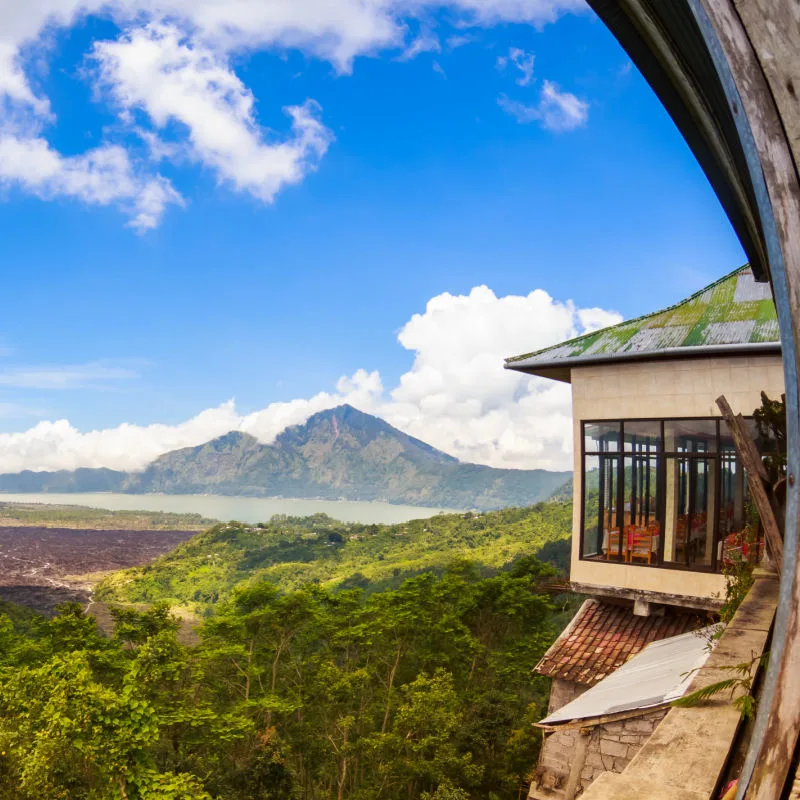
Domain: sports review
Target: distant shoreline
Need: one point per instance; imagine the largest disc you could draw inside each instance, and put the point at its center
(243, 508)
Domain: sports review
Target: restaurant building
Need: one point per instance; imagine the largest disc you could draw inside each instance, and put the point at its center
(660, 500)
(658, 488)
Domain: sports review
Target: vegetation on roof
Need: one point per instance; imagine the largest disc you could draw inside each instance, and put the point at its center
(731, 311)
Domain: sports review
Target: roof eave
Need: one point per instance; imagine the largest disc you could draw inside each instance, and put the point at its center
(560, 369)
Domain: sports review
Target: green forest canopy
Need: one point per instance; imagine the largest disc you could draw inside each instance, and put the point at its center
(292, 552)
(419, 688)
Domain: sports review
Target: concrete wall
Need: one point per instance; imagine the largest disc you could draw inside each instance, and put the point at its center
(610, 749)
(675, 388)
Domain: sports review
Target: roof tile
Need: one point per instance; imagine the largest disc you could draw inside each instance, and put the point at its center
(603, 636)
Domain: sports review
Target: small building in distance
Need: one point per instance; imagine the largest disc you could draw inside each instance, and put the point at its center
(659, 494)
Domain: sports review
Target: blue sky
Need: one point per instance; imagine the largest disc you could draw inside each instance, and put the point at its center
(425, 161)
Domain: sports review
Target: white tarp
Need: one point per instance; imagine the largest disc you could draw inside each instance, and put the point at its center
(658, 674)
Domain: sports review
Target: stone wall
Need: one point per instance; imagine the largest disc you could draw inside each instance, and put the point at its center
(614, 744)
(611, 746)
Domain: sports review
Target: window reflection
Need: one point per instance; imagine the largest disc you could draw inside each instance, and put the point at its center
(690, 436)
(601, 437)
(675, 494)
(643, 436)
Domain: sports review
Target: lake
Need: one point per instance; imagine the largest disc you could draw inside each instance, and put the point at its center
(243, 509)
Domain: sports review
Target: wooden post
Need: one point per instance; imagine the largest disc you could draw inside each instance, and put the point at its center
(578, 761)
(756, 478)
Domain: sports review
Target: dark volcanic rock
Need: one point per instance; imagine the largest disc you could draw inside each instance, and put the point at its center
(42, 567)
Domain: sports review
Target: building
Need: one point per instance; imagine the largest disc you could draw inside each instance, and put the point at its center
(658, 489)
(659, 494)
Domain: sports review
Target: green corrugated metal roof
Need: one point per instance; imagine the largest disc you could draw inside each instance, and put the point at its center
(733, 311)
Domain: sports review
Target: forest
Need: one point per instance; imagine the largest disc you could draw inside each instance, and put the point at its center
(418, 690)
(292, 552)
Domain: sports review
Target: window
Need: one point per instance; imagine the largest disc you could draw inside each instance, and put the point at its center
(668, 493)
(601, 494)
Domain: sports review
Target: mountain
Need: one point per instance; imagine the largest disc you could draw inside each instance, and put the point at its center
(341, 453)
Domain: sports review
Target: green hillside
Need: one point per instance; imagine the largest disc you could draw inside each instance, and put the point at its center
(423, 692)
(293, 552)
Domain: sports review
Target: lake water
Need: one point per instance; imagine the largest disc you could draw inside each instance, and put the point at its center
(243, 509)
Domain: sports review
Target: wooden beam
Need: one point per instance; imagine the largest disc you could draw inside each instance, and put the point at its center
(593, 722)
(662, 598)
(756, 477)
(752, 34)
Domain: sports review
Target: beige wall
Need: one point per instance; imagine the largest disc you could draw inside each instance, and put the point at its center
(662, 389)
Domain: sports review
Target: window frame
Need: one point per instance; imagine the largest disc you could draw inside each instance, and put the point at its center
(661, 455)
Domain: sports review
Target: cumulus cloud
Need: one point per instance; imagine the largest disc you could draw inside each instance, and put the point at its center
(456, 395)
(555, 111)
(172, 62)
(53, 445)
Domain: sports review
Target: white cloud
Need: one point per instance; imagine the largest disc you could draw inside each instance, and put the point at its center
(556, 111)
(561, 111)
(522, 61)
(18, 411)
(101, 176)
(460, 40)
(594, 319)
(457, 396)
(93, 375)
(158, 70)
(58, 445)
(520, 111)
(426, 42)
(172, 62)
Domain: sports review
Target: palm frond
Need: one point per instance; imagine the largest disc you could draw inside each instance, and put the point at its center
(695, 698)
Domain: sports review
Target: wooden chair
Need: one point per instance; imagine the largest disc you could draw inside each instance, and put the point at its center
(614, 543)
(641, 545)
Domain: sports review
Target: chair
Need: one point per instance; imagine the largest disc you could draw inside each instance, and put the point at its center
(614, 543)
(641, 545)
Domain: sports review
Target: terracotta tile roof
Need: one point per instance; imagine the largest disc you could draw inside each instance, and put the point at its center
(603, 636)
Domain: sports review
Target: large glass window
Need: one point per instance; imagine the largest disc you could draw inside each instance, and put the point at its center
(601, 537)
(601, 437)
(690, 436)
(642, 436)
(663, 492)
(690, 511)
(641, 518)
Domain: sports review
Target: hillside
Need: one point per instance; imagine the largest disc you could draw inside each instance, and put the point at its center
(281, 694)
(293, 552)
(341, 453)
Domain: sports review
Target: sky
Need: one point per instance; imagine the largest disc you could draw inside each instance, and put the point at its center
(231, 214)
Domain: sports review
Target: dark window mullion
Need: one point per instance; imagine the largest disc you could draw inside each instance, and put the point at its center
(621, 503)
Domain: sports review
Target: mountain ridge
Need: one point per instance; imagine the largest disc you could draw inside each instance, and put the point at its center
(338, 453)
